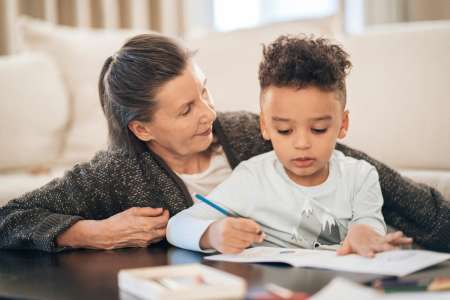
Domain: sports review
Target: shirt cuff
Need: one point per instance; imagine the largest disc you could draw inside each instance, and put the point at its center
(179, 237)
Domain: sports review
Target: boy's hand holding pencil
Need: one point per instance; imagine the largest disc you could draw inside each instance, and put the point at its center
(231, 235)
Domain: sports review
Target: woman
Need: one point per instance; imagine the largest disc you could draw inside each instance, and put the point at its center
(166, 141)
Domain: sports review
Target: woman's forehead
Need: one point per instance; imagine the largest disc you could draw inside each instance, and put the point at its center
(182, 88)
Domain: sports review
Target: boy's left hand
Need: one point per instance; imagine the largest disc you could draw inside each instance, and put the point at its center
(363, 240)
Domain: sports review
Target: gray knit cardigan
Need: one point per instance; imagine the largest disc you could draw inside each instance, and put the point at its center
(114, 181)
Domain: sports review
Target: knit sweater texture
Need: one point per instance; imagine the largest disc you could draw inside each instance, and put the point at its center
(114, 181)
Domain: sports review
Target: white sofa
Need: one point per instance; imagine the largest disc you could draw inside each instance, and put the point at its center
(398, 95)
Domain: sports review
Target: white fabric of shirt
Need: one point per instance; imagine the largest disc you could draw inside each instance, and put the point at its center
(291, 215)
(203, 183)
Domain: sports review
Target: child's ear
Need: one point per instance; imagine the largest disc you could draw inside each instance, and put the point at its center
(262, 126)
(141, 130)
(344, 125)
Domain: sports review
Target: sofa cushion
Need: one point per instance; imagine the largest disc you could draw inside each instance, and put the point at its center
(398, 94)
(34, 111)
(15, 184)
(80, 54)
(440, 180)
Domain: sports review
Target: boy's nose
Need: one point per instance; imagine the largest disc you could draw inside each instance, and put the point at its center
(301, 141)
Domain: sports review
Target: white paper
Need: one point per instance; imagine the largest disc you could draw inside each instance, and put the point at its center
(394, 263)
(340, 288)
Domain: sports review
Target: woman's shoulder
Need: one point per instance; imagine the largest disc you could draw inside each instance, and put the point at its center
(239, 132)
(238, 119)
(109, 161)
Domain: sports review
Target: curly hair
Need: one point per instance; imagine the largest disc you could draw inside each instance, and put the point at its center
(302, 61)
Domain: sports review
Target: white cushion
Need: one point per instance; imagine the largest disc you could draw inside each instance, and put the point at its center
(440, 180)
(398, 94)
(231, 60)
(80, 54)
(15, 184)
(34, 111)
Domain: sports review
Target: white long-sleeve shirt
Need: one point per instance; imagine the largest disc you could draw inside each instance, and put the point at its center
(290, 214)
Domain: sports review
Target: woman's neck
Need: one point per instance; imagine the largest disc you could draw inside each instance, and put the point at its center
(185, 164)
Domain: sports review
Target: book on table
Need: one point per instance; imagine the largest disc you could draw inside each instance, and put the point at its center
(393, 263)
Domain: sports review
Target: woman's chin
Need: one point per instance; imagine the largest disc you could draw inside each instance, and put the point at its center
(202, 143)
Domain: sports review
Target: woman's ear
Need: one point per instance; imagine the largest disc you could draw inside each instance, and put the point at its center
(262, 126)
(141, 130)
(344, 125)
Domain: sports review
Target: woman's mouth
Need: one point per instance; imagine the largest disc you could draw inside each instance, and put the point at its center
(303, 162)
(205, 133)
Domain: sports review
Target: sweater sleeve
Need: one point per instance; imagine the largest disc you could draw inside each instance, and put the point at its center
(34, 220)
(420, 211)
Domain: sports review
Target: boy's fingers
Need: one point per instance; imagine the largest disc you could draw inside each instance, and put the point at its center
(393, 236)
(402, 241)
(248, 237)
(344, 249)
(246, 225)
(239, 243)
(383, 247)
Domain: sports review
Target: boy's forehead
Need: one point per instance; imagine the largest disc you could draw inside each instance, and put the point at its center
(309, 102)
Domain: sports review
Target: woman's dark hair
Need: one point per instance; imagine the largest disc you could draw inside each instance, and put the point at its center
(302, 61)
(130, 80)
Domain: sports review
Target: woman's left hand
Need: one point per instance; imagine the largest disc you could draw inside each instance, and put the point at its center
(363, 240)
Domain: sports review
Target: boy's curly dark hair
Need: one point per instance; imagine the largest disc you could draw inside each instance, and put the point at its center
(304, 61)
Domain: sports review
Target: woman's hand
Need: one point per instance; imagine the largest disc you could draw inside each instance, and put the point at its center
(134, 227)
(363, 240)
(231, 235)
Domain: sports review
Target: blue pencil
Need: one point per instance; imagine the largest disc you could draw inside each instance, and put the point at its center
(219, 208)
(213, 205)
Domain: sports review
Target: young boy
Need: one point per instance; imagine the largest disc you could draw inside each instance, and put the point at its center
(304, 193)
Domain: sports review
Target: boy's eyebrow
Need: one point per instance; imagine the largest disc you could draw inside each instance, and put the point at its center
(279, 119)
(323, 118)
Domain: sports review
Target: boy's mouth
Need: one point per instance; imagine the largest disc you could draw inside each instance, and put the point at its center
(303, 162)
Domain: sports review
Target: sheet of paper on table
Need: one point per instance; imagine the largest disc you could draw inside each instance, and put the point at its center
(394, 263)
(340, 288)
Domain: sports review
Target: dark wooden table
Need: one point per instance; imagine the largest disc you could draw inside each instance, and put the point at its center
(90, 274)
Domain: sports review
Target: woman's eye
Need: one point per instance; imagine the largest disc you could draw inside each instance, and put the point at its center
(187, 110)
(205, 93)
(284, 132)
(319, 130)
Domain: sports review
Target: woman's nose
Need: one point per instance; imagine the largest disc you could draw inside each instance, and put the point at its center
(208, 114)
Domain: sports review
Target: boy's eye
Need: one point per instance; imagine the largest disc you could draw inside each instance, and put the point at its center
(284, 132)
(319, 130)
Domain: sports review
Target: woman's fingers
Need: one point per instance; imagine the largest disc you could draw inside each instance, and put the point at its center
(146, 211)
(147, 224)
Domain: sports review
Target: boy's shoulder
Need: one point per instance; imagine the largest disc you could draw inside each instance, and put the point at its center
(347, 164)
